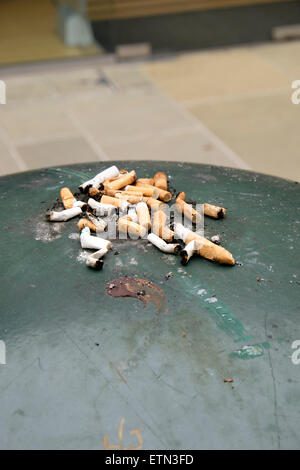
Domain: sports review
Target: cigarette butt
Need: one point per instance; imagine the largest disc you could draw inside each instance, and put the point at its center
(100, 208)
(149, 191)
(205, 248)
(94, 260)
(160, 228)
(181, 195)
(106, 184)
(81, 204)
(132, 214)
(162, 194)
(145, 181)
(93, 192)
(160, 180)
(123, 181)
(63, 216)
(159, 221)
(114, 201)
(187, 210)
(86, 223)
(99, 223)
(125, 225)
(110, 172)
(92, 223)
(93, 243)
(214, 211)
(154, 204)
(143, 215)
(162, 245)
(67, 198)
(188, 252)
(167, 234)
(130, 196)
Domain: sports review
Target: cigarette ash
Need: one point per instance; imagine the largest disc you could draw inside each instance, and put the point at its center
(140, 289)
(74, 236)
(82, 256)
(45, 232)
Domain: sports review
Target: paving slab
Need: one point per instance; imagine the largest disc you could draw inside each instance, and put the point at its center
(60, 152)
(263, 130)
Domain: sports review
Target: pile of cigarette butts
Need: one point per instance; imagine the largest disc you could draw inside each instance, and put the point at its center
(140, 207)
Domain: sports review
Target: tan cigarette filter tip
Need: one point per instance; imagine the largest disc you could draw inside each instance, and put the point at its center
(187, 210)
(143, 215)
(160, 180)
(125, 225)
(93, 191)
(214, 211)
(67, 198)
(181, 195)
(123, 181)
(209, 250)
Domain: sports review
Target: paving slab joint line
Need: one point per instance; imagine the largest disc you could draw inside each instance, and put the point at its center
(227, 151)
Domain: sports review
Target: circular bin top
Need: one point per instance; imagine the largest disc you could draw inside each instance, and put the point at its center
(86, 370)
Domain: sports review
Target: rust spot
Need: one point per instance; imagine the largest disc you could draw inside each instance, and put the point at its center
(140, 289)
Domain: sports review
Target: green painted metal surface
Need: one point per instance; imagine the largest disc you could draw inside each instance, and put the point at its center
(80, 363)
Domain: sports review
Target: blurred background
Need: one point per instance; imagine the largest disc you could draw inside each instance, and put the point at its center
(206, 81)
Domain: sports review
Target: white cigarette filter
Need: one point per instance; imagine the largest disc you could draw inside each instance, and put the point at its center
(100, 208)
(125, 225)
(162, 245)
(93, 243)
(110, 172)
(132, 214)
(188, 251)
(64, 215)
(79, 203)
(205, 247)
(143, 215)
(94, 260)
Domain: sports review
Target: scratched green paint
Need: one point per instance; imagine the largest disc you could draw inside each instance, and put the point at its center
(218, 311)
(250, 351)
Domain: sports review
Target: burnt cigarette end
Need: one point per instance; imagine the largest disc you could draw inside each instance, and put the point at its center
(99, 264)
(221, 214)
(47, 215)
(178, 249)
(85, 189)
(184, 257)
